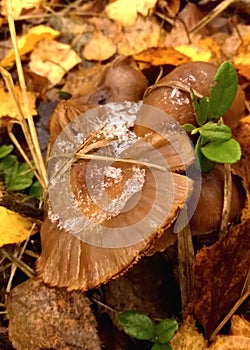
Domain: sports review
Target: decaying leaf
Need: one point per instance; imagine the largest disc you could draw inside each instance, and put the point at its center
(14, 228)
(8, 108)
(43, 317)
(125, 12)
(99, 48)
(219, 275)
(187, 337)
(19, 6)
(52, 60)
(240, 326)
(231, 342)
(144, 33)
(242, 58)
(158, 56)
(28, 41)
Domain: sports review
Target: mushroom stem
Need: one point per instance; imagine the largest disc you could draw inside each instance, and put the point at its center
(226, 201)
(185, 261)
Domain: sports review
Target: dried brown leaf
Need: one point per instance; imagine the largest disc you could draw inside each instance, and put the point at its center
(43, 317)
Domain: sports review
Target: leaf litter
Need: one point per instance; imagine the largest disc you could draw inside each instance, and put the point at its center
(159, 35)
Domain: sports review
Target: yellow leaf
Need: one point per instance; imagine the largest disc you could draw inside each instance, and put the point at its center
(143, 34)
(52, 59)
(194, 52)
(158, 56)
(187, 337)
(8, 108)
(14, 228)
(242, 58)
(28, 41)
(99, 48)
(18, 6)
(125, 12)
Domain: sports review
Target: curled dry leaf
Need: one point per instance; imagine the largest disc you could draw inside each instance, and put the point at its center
(96, 257)
(52, 60)
(43, 317)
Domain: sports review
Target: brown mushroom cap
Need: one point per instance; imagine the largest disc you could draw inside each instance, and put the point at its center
(67, 261)
(168, 95)
(207, 216)
(121, 81)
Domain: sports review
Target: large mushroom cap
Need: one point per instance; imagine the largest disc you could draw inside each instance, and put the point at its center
(105, 212)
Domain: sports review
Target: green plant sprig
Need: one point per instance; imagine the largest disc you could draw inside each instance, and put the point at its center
(17, 175)
(141, 327)
(215, 143)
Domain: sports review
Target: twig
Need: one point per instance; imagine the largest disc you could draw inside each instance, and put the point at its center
(233, 310)
(214, 13)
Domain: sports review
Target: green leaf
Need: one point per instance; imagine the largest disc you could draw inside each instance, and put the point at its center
(22, 179)
(201, 107)
(215, 132)
(8, 166)
(160, 346)
(5, 150)
(137, 325)
(223, 94)
(166, 329)
(203, 163)
(35, 190)
(189, 127)
(228, 152)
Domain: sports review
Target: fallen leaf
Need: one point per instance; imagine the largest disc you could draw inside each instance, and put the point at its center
(194, 52)
(145, 33)
(19, 6)
(28, 41)
(240, 326)
(43, 317)
(217, 287)
(231, 342)
(187, 337)
(52, 59)
(125, 12)
(14, 228)
(99, 48)
(7, 107)
(242, 57)
(158, 56)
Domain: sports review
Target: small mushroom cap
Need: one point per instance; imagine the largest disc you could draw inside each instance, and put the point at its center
(169, 93)
(208, 213)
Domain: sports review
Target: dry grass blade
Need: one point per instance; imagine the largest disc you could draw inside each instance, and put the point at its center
(214, 13)
(227, 200)
(26, 118)
(19, 263)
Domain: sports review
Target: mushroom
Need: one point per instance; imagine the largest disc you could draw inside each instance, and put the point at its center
(121, 81)
(112, 238)
(207, 215)
(172, 93)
